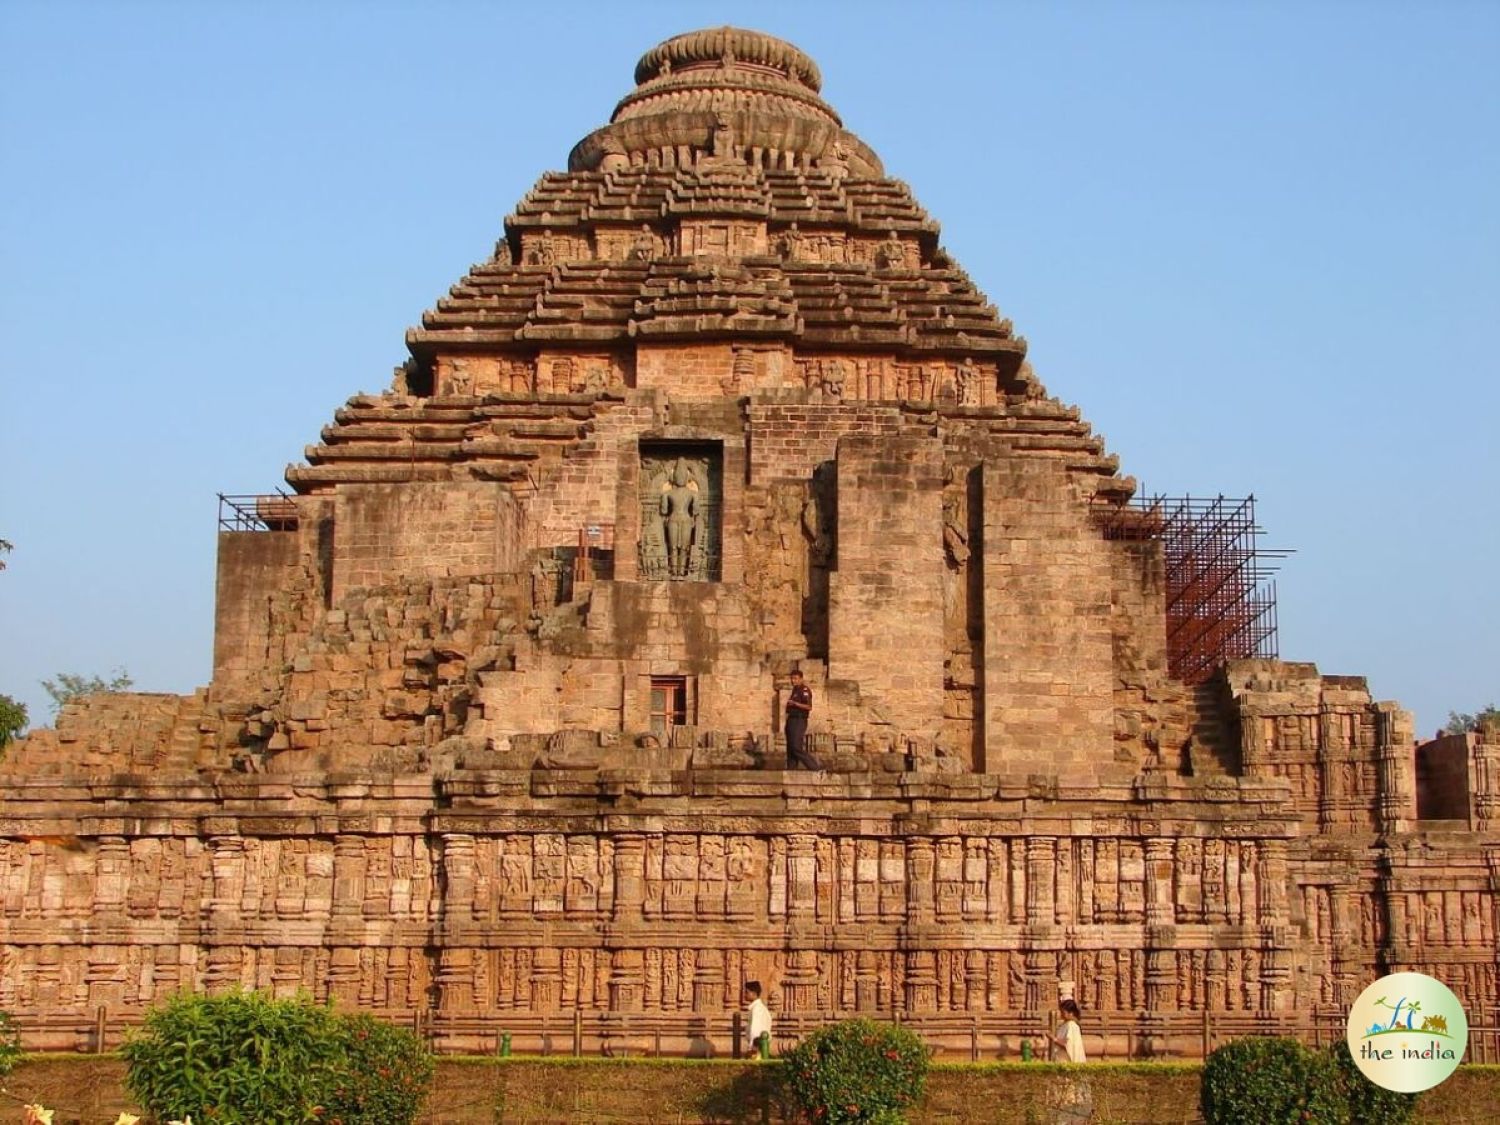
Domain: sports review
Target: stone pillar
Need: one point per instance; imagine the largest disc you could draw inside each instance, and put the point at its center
(113, 877)
(458, 878)
(1041, 864)
(919, 870)
(1041, 980)
(455, 980)
(546, 979)
(1217, 980)
(630, 881)
(1276, 990)
(866, 981)
(1396, 769)
(1160, 910)
(776, 876)
(348, 877)
(921, 982)
(799, 986)
(222, 968)
(802, 867)
(227, 865)
(1485, 786)
(1271, 883)
(627, 980)
(1161, 970)
(708, 981)
(974, 980)
(343, 976)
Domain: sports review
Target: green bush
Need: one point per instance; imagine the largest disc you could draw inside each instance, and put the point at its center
(385, 1074)
(242, 1058)
(857, 1072)
(1271, 1081)
(10, 1044)
(1367, 1101)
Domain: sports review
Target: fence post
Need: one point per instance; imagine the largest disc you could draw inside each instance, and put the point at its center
(577, 1033)
(735, 1029)
(1208, 1035)
(974, 1039)
(101, 1019)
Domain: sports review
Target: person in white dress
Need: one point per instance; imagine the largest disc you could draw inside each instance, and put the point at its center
(1067, 1040)
(760, 1020)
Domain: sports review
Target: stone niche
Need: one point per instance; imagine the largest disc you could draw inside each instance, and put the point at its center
(681, 498)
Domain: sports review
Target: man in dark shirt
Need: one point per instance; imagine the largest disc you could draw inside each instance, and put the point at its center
(798, 708)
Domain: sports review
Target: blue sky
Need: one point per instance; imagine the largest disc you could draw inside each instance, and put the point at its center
(1257, 244)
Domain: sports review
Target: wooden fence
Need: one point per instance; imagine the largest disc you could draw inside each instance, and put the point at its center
(1108, 1035)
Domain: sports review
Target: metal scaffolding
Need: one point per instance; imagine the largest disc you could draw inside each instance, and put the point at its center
(1221, 601)
(273, 512)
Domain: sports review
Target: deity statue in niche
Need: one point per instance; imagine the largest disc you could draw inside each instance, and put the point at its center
(676, 524)
(679, 515)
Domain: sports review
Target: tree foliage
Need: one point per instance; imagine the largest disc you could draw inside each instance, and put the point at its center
(13, 720)
(1462, 722)
(5, 549)
(69, 686)
(243, 1058)
(858, 1072)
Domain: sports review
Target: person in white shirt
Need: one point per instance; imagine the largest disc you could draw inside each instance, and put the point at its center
(1067, 1040)
(760, 1020)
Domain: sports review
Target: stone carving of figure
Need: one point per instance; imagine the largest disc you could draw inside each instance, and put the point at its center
(502, 252)
(723, 137)
(836, 161)
(542, 252)
(562, 375)
(968, 383)
(789, 243)
(834, 375)
(643, 248)
(890, 254)
(679, 515)
(520, 377)
(820, 546)
(955, 535)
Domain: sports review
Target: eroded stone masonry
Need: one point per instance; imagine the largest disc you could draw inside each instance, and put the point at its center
(493, 732)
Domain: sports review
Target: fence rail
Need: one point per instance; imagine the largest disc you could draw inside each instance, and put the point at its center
(1108, 1035)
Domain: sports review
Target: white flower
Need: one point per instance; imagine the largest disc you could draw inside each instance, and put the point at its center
(36, 1115)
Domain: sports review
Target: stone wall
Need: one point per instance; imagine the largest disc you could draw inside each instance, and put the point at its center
(385, 533)
(885, 616)
(252, 567)
(1049, 662)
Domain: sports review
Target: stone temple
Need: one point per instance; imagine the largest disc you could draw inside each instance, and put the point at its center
(493, 741)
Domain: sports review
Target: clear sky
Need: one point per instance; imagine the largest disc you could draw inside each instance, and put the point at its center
(1257, 244)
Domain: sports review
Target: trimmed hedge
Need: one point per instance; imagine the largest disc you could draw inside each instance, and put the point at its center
(90, 1088)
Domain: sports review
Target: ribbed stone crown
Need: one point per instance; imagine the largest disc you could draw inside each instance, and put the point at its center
(727, 93)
